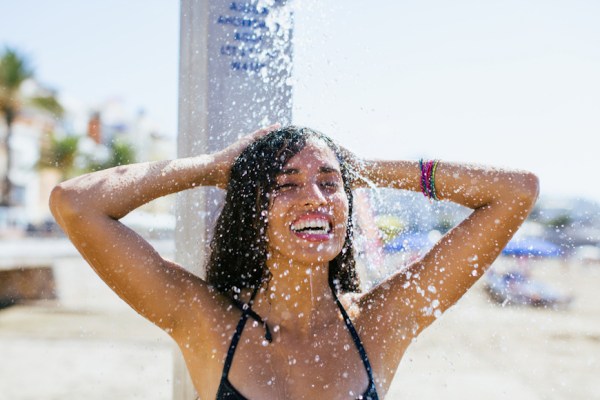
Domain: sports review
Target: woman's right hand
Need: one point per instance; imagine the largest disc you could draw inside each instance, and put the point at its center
(224, 159)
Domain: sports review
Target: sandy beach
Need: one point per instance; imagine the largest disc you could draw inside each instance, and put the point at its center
(89, 345)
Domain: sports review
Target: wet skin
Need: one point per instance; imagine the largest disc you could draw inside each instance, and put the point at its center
(310, 188)
(312, 354)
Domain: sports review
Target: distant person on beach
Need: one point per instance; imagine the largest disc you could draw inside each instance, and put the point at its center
(269, 320)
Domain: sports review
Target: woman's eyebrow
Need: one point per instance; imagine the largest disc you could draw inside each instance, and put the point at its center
(290, 171)
(326, 169)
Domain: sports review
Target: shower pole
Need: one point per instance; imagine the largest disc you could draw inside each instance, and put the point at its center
(235, 63)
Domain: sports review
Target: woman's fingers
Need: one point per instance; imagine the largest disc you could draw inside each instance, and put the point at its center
(237, 147)
(226, 157)
(263, 131)
(248, 139)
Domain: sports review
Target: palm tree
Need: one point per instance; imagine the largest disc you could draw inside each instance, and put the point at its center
(59, 153)
(14, 70)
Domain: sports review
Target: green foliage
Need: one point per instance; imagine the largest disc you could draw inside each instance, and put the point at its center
(14, 70)
(560, 221)
(121, 153)
(60, 153)
(48, 103)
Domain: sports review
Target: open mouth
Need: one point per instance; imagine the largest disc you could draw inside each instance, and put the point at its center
(312, 226)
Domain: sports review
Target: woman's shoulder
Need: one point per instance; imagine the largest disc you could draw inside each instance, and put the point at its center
(207, 312)
(351, 303)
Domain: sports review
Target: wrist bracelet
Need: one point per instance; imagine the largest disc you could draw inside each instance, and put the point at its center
(428, 170)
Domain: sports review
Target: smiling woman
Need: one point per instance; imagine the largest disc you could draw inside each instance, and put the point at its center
(261, 212)
(282, 254)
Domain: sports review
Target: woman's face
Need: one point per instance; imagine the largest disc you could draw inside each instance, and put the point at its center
(309, 209)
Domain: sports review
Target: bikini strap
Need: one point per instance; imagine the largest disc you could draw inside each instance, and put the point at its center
(355, 336)
(234, 342)
(247, 307)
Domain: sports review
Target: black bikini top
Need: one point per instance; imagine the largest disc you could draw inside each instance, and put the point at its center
(228, 392)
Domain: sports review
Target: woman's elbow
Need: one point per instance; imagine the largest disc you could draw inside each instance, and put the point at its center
(62, 204)
(526, 188)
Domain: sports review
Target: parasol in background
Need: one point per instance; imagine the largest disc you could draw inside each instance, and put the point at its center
(532, 247)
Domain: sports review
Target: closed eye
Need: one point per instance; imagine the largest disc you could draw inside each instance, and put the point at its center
(285, 186)
(330, 184)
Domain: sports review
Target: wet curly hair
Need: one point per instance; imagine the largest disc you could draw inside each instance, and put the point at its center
(238, 249)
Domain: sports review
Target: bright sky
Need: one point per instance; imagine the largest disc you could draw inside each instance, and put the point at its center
(511, 83)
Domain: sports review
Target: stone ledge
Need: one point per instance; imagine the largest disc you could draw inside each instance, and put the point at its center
(24, 284)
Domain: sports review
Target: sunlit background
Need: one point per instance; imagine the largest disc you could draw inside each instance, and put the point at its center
(511, 83)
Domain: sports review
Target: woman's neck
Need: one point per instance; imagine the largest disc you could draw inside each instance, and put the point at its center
(297, 299)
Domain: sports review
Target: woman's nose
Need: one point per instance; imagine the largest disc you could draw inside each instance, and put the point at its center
(313, 195)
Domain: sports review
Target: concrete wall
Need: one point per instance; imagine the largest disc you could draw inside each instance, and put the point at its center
(235, 65)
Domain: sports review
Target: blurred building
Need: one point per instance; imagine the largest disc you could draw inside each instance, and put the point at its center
(31, 126)
(96, 126)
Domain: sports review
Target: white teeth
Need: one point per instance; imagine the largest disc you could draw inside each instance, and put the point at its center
(316, 226)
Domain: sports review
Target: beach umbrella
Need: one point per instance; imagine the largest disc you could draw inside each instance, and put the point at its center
(531, 246)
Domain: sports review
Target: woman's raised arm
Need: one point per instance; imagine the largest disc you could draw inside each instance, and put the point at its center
(500, 199)
(89, 207)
